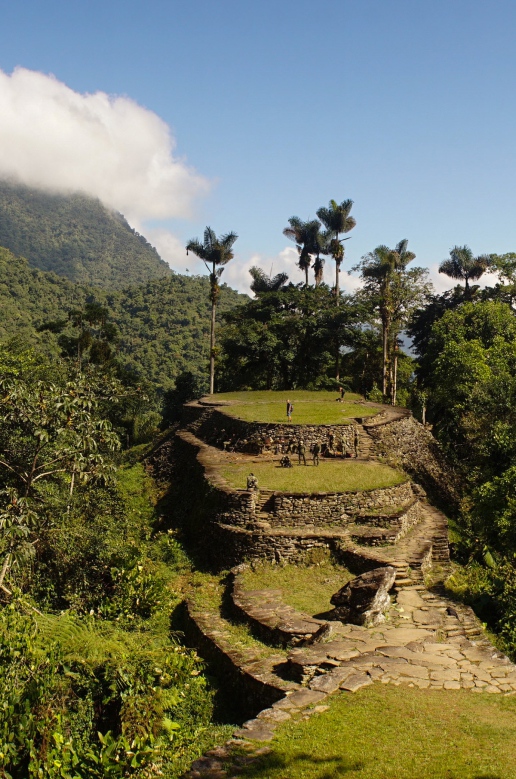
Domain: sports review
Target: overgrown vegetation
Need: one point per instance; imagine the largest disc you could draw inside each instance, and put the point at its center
(162, 327)
(94, 683)
(76, 237)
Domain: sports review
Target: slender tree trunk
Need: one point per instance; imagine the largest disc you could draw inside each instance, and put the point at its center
(395, 376)
(5, 568)
(385, 377)
(306, 276)
(212, 348)
(337, 301)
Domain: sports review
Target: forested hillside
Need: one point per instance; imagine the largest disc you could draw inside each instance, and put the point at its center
(76, 237)
(163, 326)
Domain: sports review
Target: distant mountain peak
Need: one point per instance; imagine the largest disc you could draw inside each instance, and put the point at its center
(76, 236)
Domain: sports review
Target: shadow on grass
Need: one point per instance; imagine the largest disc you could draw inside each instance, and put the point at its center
(322, 767)
(319, 767)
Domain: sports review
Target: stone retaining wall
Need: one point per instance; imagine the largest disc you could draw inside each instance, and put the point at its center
(239, 507)
(248, 684)
(230, 545)
(219, 429)
(405, 443)
(274, 621)
(401, 522)
(320, 508)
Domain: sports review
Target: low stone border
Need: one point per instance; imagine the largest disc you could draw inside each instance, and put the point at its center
(250, 679)
(272, 619)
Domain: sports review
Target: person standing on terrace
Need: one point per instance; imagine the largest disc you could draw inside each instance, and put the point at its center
(290, 409)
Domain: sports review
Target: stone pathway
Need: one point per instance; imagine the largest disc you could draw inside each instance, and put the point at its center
(428, 642)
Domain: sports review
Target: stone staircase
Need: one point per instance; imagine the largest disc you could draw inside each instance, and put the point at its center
(365, 447)
(264, 506)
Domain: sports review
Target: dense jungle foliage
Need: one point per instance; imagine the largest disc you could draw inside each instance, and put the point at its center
(94, 683)
(76, 237)
(162, 326)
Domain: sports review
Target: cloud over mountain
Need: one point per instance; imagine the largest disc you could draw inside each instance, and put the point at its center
(106, 146)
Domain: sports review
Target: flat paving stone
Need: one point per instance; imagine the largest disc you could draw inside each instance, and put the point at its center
(403, 636)
(356, 682)
(430, 617)
(446, 675)
(305, 697)
(451, 685)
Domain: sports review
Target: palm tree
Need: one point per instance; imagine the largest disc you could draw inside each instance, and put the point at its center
(463, 266)
(214, 252)
(337, 220)
(306, 236)
(262, 283)
(383, 267)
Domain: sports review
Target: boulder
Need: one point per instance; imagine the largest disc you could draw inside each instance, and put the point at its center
(363, 600)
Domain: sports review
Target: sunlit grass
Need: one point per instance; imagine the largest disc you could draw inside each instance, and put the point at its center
(310, 408)
(387, 732)
(329, 476)
(306, 588)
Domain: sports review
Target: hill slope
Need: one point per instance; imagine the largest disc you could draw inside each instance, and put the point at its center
(77, 237)
(163, 324)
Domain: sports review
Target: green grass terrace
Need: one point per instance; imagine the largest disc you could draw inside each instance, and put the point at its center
(387, 732)
(310, 407)
(329, 476)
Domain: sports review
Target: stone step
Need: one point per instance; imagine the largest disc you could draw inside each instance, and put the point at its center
(403, 582)
(373, 536)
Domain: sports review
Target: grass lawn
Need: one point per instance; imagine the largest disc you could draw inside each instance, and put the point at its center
(329, 476)
(310, 408)
(387, 732)
(307, 588)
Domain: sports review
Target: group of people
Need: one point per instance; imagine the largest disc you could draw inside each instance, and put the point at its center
(300, 448)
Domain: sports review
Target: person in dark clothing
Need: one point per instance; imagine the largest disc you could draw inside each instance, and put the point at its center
(315, 452)
(252, 482)
(290, 409)
(301, 449)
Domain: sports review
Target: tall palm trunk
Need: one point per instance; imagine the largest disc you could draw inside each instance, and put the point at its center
(212, 338)
(386, 354)
(212, 349)
(385, 362)
(394, 387)
(337, 301)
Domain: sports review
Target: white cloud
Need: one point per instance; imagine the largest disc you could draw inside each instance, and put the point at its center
(106, 146)
(237, 275)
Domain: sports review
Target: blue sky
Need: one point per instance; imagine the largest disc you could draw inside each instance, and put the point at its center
(407, 107)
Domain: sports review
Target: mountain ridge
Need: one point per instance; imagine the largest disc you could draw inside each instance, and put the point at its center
(75, 236)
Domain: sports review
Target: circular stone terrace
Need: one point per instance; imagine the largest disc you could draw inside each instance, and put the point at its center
(267, 437)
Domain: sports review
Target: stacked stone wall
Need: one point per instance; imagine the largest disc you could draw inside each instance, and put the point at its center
(220, 429)
(405, 443)
(239, 507)
(248, 689)
(294, 510)
(230, 545)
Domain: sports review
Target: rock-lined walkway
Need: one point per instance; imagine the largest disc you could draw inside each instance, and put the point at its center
(428, 642)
